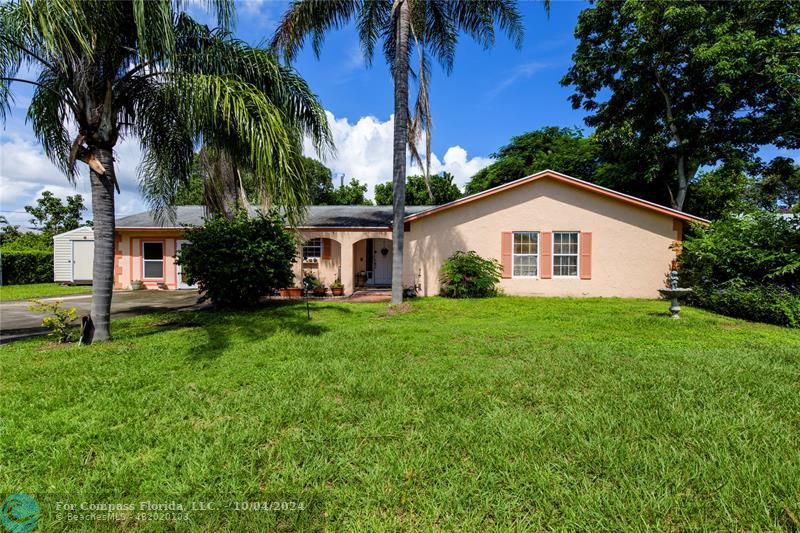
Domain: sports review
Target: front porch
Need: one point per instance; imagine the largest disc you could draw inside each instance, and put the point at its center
(359, 259)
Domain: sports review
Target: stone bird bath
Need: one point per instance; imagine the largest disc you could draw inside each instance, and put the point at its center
(674, 294)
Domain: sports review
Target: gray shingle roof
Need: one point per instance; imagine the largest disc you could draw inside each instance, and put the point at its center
(333, 216)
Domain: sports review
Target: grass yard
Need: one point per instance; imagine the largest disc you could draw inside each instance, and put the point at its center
(40, 290)
(520, 413)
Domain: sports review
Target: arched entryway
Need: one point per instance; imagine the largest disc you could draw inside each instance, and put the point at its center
(372, 264)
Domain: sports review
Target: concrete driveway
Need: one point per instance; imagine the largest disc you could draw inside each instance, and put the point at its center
(17, 322)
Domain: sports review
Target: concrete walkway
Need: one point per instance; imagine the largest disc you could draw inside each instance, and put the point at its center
(17, 322)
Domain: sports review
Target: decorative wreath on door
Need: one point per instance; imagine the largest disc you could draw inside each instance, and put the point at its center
(384, 251)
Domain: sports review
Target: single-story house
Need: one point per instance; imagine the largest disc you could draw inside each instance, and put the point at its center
(553, 234)
(73, 255)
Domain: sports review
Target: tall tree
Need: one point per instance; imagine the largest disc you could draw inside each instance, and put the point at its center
(418, 191)
(562, 149)
(353, 193)
(428, 27)
(8, 231)
(678, 85)
(779, 186)
(320, 181)
(52, 216)
(106, 70)
(720, 192)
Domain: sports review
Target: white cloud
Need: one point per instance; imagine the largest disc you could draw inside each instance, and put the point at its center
(25, 172)
(259, 12)
(364, 151)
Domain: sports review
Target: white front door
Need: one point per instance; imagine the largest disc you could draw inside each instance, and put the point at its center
(178, 271)
(381, 263)
(82, 260)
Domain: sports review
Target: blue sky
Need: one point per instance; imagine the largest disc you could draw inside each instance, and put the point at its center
(490, 96)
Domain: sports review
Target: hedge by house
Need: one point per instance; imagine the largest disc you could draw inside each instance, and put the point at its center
(747, 267)
(20, 267)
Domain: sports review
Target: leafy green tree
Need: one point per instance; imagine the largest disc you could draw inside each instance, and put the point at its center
(721, 192)
(779, 187)
(320, 181)
(564, 150)
(678, 85)
(428, 27)
(106, 70)
(317, 176)
(353, 193)
(52, 216)
(8, 232)
(190, 190)
(417, 193)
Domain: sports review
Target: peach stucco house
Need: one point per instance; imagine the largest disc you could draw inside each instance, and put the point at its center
(554, 235)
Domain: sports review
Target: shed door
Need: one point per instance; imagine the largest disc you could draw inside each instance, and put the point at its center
(82, 260)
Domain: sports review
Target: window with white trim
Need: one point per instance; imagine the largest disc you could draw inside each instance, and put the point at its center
(565, 253)
(152, 260)
(525, 254)
(312, 248)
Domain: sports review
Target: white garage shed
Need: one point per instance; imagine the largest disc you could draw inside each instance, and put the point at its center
(73, 255)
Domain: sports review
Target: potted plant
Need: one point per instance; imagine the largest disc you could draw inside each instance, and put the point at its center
(337, 287)
(137, 285)
(317, 285)
(284, 292)
(294, 292)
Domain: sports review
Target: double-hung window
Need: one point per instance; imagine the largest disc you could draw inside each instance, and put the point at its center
(312, 249)
(565, 253)
(526, 254)
(153, 260)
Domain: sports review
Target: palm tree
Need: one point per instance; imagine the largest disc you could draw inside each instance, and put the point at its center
(431, 27)
(144, 69)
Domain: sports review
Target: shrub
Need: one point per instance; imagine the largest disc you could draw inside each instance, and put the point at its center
(760, 303)
(312, 280)
(29, 266)
(468, 275)
(60, 321)
(237, 261)
(746, 267)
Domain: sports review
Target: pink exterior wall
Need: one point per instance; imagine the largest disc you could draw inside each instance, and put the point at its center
(128, 264)
(631, 246)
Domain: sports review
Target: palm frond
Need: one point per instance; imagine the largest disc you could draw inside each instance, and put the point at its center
(213, 52)
(228, 114)
(372, 21)
(311, 18)
(49, 115)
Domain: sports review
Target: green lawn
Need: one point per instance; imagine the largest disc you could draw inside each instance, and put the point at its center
(521, 413)
(40, 290)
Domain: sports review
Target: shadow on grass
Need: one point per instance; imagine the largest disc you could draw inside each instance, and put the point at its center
(223, 327)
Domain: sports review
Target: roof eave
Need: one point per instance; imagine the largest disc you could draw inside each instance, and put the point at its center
(565, 179)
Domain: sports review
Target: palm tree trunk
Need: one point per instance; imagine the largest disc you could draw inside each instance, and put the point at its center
(103, 268)
(400, 140)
